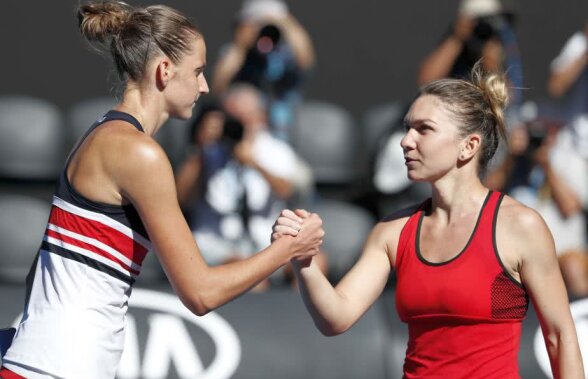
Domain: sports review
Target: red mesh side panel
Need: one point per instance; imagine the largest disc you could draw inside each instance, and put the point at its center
(509, 301)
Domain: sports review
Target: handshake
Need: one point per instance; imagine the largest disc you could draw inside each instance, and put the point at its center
(305, 230)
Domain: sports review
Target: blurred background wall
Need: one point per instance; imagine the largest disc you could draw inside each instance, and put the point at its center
(368, 51)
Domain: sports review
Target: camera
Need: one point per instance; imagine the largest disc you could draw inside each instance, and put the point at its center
(232, 130)
(537, 131)
(489, 26)
(268, 38)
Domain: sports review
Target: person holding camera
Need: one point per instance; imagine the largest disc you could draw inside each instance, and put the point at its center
(272, 51)
(482, 31)
(568, 78)
(568, 83)
(236, 182)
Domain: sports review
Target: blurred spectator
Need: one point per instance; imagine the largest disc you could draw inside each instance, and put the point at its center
(238, 179)
(482, 30)
(545, 171)
(568, 82)
(208, 152)
(568, 79)
(272, 51)
(394, 189)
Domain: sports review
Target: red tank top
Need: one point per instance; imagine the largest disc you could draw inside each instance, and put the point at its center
(464, 315)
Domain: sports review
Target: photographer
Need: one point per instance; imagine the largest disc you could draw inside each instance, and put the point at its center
(482, 31)
(272, 51)
(568, 77)
(239, 177)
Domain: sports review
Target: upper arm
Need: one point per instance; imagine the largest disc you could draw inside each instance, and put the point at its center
(539, 269)
(146, 180)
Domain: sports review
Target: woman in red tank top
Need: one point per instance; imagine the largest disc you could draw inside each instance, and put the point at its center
(467, 260)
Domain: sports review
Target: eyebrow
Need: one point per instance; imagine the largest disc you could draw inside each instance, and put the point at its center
(418, 121)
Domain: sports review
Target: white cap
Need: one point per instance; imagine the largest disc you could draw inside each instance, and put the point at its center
(480, 8)
(259, 9)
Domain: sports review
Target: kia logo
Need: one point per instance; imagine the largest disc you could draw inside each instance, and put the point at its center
(580, 313)
(168, 342)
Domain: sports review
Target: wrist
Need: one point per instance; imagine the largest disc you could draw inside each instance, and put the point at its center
(285, 246)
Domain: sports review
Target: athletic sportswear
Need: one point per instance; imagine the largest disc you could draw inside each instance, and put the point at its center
(464, 315)
(78, 288)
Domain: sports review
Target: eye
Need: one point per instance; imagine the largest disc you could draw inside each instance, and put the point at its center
(425, 128)
(199, 71)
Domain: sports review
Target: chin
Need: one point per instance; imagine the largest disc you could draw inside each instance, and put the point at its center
(413, 177)
(185, 115)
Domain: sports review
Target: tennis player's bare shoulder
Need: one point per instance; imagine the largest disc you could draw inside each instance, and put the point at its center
(388, 230)
(516, 218)
(520, 232)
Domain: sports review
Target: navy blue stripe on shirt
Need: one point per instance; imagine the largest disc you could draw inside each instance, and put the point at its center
(65, 253)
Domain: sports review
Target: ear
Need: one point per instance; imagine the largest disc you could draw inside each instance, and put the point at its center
(470, 146)
(164, 72)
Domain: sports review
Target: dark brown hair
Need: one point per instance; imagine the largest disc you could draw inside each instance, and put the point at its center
(478, 106)
(134, 35)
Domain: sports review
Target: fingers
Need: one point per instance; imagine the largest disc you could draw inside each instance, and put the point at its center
(288, 223)
(287, 213)
(286, 230)
(313, 219)
(302, 213)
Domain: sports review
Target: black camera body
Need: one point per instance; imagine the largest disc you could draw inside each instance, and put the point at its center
(537, 131)
(489, 26)
(270, 33)
(233, 131)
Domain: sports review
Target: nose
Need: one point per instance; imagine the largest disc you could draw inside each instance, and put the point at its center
(203, 85)
(407, 142)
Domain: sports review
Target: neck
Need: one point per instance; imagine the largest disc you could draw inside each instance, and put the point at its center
(454, 196)
(145, 108)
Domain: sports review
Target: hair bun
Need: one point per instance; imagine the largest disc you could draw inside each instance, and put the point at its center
(493, 86)
(100, 19)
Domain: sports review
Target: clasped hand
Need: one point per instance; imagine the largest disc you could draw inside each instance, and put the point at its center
(306, 227)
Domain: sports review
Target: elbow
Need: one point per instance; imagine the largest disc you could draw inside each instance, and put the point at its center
(331, 330)
(197, 304)
(327, 332)
(568, 212)
(570, 209)
(199, 308)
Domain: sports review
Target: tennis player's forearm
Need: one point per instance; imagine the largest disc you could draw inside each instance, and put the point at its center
(565, 356)
(324, 303)
(221, 284)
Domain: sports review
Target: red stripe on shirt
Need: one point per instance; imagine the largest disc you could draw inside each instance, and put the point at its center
(92, 248)
(7, 374)
(99, 231)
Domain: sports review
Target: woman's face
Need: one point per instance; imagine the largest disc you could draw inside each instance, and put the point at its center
(431, 144)
(211, 128)
(188, 81)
